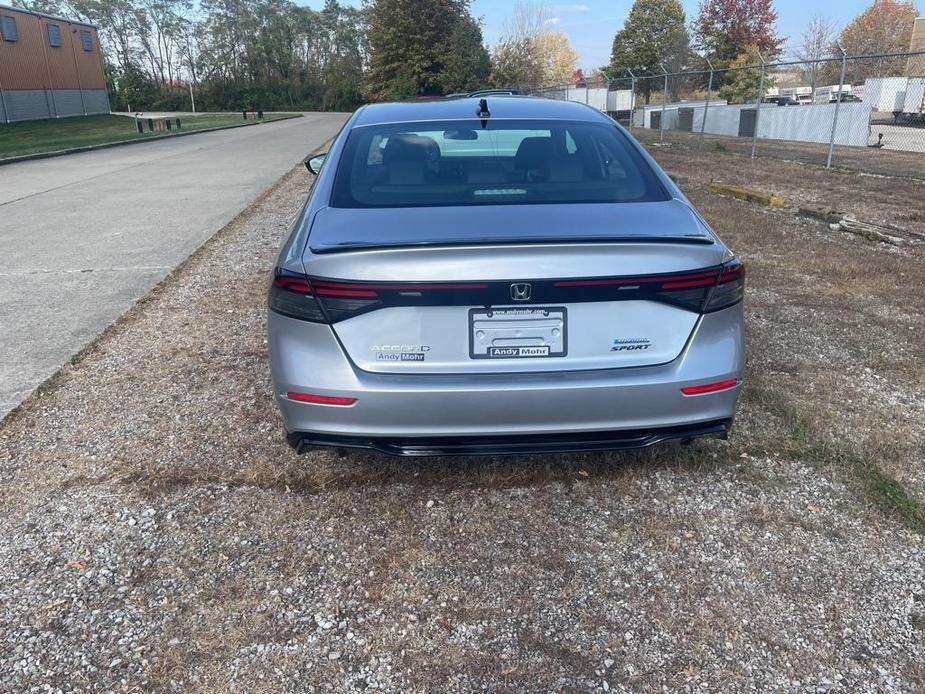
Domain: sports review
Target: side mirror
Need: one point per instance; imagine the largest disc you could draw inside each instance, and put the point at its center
(315, 163)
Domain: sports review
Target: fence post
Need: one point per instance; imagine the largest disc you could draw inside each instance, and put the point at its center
(758, 105)
(841, 86)
(706, 105)
(632, 97)
(661, 120)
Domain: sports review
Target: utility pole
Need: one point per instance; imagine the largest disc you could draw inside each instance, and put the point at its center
(191, 97)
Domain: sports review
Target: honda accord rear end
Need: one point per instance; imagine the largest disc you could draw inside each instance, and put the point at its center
(501, 275)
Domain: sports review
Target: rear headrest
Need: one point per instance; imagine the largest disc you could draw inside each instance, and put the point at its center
(408, 147)
(534, 153)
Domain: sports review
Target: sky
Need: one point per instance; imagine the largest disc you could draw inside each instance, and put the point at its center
(591, 24)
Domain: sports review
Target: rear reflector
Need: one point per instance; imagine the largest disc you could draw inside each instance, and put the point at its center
(710, 387)
(320, 399)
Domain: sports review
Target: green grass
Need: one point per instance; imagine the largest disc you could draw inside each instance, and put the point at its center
(860, 465)
(30, 137)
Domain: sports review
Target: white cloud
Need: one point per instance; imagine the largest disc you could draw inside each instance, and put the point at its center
(552, 20)
(569, 9)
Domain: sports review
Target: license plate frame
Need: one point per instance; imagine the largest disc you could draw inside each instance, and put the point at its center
(547, 350)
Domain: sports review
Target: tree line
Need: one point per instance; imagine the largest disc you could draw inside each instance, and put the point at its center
(277, 55)
(734, 36)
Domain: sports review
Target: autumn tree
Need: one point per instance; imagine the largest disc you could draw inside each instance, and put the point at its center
(884, 27)
(726, 29)
(530, 54)
(654, 34)
(556, 57)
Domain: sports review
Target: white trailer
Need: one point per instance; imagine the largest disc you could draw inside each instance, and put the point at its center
(914, 99)
(593, 96)
(620, 100)
(826, 95)
(885, 94)
(798, 93)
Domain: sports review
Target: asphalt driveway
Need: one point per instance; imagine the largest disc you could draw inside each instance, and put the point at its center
(84, 236)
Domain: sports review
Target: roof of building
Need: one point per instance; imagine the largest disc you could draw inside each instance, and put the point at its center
(8, 8)
(500, 107)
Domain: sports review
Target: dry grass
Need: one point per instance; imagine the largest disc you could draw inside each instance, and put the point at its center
(837, 338)
(882, 162)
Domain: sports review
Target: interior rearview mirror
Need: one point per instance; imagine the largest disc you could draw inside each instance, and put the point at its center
(314, 164)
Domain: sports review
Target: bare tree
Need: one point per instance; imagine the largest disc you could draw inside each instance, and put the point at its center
(527, 21)
(815, 45)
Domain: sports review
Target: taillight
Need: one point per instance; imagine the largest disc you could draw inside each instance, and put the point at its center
(291, 295)
(341, 300)
(319, 301)
(705, 292)
(331, 300)
(730, 287)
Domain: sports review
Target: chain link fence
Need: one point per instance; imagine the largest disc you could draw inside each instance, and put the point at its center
(864, 113)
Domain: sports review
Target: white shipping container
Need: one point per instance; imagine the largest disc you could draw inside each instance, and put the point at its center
(914, 101)
(885, 93)
(597, 97)
(620, 100)
(593, 96)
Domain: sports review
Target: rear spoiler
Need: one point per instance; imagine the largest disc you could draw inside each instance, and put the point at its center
(512, 241)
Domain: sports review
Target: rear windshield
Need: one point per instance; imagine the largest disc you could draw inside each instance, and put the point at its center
(503, 162)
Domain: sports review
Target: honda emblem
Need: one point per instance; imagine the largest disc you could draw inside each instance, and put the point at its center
(521, 291)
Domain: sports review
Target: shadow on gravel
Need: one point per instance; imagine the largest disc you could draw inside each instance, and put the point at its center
(324, 471)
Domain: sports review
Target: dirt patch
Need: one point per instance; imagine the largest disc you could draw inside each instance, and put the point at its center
(157, 532)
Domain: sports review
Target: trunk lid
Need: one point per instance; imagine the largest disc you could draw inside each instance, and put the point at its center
(449, 287)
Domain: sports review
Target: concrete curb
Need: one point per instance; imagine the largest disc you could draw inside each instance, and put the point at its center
(756, 196)
(120, 143)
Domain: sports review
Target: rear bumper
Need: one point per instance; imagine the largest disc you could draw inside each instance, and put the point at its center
(513, 445)
(579, 410)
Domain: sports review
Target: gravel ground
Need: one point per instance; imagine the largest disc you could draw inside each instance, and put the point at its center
(157, 534)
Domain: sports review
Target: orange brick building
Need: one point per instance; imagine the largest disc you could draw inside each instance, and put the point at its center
(50, 67)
